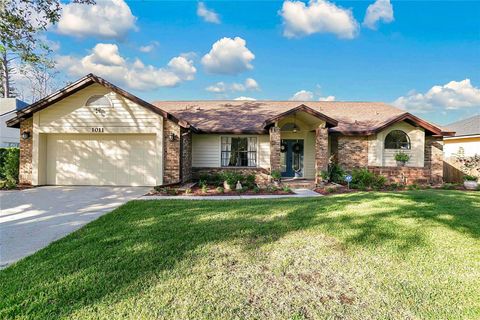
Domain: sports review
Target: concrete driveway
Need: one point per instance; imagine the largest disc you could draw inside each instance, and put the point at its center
(33, 218)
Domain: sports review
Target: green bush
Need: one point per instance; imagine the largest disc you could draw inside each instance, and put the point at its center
(363, 179)
(448, 186)
(231, 177)
(220, 190)
(402, 157)
(276, 175)
(469, 178)
(9, 166)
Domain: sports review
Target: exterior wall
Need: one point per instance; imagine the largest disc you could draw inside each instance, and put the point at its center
(172, 152)
(71, 116)
(352, 151)
(454, 146)
(206, 150)
(26, 145)
(9, 137)
(186, 158)
(379, 156)
(403, 175)
(275, 146)
(434, 158)
(321, 151)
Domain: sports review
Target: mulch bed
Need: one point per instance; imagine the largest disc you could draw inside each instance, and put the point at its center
(212, 191)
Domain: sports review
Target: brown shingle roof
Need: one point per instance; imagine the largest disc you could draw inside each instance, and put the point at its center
(466, 127)
(250, 116)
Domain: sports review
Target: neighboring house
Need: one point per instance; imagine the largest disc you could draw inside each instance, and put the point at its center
(94, 133)
(9, 137)
(466, 141)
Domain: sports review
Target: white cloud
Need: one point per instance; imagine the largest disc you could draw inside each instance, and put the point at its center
(242, 98)
(319, 16)
(208, 15)
(108, 19)
(149, 47)
(228, 56)
(250, 84)
(381, 10)
(302, 95)
(106, 61)
(219, 87)
(450, 96)
(327, 98)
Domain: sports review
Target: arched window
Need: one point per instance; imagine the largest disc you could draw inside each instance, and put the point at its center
(98, 101)
(290, 127)
(397, 139)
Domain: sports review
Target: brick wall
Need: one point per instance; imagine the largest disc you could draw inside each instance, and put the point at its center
(434, 158)
(275, 143)
(25, 170)
(352, 151)
(186, 159)
(171, 150)
(321, 151)
(403, 175)
(262, 176)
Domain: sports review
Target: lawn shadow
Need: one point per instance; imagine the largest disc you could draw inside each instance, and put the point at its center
(114, 257)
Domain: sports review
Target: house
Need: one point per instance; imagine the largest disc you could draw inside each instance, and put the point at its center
(466, 141)
(9, 137)
(95, 133)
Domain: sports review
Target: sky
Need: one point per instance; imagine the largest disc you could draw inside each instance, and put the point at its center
(420, 56)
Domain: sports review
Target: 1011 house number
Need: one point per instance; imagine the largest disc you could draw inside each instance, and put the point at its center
(98, 130)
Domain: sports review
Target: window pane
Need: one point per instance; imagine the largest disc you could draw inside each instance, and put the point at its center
(239, 152)
(397, 139)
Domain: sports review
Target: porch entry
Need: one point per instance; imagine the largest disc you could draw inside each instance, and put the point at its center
(291, 158)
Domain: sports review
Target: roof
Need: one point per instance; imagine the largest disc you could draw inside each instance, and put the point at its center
(363, 118)
(251, 116)
(466, 127)
(78, 85)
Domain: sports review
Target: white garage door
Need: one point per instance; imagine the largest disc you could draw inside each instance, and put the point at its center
(89, 159)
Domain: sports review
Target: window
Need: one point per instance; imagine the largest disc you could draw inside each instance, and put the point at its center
(397, 139)
(239, 152)
(100, 104)
(98, 101)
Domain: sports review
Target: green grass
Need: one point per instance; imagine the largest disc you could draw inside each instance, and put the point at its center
(409, 255)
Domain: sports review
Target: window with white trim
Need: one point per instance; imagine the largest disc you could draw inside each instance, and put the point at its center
(100, 104)
(239, 152)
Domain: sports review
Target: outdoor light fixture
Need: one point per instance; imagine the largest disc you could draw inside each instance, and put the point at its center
(25, 135)
(171, 136)
(294, 123)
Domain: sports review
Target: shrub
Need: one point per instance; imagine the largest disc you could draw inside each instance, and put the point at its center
(9, 165)
(394, 186)
(286, 189)
(448, 186)
(469, 178)
(402, 156)
(363, 179)
(413, 186)
(250, 181)
(232, 177)
(330, 190)
(204, 188)
(188, 191)
(202, 183)
(276, 175)
(256, 189)
(335, 173)
(220, 190)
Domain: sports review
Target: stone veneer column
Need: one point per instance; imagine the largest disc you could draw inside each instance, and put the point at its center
(26, 147)
(321, 151)
(275, 141)
(434, 158)
(172, 152)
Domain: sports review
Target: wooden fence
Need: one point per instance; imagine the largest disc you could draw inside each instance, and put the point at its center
(451, 173)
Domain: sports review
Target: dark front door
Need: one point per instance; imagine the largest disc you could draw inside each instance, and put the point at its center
(291, 158)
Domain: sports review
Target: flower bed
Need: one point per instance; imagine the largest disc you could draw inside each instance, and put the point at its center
(217, 191)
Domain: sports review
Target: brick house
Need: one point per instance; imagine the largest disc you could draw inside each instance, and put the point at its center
(95, 133)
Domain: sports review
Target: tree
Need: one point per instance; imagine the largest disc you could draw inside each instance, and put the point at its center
(21, 21)
(41, 77)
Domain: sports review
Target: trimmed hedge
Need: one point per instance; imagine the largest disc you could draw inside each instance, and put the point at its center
(9, 164)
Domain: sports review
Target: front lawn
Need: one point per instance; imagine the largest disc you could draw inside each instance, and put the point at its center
(408, 255)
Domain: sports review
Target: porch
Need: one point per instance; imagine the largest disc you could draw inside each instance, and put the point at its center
(299, 145)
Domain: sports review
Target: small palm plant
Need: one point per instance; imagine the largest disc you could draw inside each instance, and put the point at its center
(401, 158)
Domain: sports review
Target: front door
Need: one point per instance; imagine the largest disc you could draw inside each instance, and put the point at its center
(291, 158)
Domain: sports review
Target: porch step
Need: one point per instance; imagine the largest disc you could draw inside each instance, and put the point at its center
(299, 183)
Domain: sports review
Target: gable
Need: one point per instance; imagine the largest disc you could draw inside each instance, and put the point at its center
(72, 112)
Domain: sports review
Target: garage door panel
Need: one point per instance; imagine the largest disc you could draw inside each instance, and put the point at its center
(101, 160)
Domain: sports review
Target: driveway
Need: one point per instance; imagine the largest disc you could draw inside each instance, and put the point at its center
(33, 218)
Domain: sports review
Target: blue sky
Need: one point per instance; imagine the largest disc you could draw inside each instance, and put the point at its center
(411, 47)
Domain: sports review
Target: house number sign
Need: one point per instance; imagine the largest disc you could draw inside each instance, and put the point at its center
(98, 130)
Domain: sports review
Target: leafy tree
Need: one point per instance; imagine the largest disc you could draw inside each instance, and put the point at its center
(21, 21)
